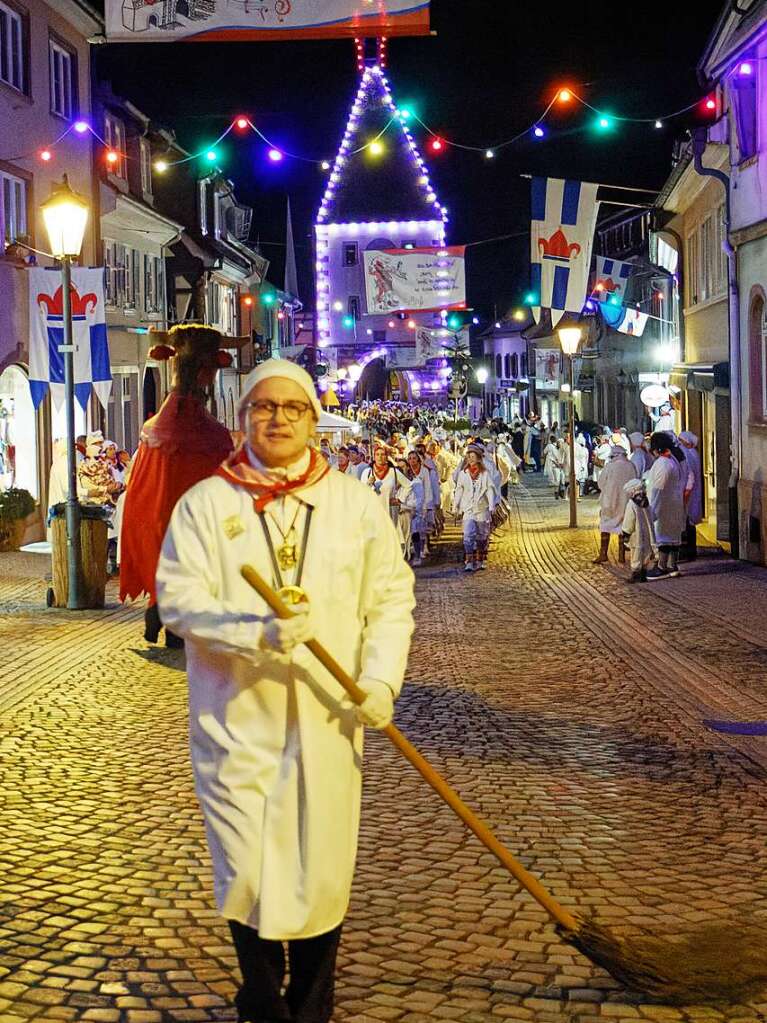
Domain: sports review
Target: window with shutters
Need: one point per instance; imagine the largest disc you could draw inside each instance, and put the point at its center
(114, 136)
(145, 160)
(706, 260)
(62, 80)
(13, 207)
(12, 48)
(153, 284)
(114, 264)
(131, 264)
(744, 95)
(351, 253)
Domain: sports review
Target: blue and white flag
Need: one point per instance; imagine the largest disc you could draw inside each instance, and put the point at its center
(611, 278)
(89, 334)
(564, 215)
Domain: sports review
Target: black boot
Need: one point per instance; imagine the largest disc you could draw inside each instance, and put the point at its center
(152, 624)
(604, 546)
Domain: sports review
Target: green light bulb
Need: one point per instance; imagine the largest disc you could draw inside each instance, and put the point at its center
(268, 299)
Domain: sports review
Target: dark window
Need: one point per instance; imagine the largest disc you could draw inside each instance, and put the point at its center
(351, 253)
(523, 368)
(379, 337)
(507, 366)
(514, 366)
(498, 366)
(354, 306)
(13, 44)
(744, 94)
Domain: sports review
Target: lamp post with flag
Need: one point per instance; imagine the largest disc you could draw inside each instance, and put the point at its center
(65, 214)
(570, 338)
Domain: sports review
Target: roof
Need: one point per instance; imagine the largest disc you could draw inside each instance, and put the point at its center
(392, 186)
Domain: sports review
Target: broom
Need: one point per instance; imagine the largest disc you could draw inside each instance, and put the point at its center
(720, 962)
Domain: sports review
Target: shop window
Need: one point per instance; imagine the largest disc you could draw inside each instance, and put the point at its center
(62, 80)
(18, 433)
(745, 102)
(12, 48)
(13, 206)
(351, 253)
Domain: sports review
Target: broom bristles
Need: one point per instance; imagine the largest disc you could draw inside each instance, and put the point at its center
(723, 962)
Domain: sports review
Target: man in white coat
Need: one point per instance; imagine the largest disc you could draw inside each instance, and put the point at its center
(276, 749)
(612, 501)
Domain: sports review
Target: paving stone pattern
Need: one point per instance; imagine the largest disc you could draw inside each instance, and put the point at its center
(563, 705)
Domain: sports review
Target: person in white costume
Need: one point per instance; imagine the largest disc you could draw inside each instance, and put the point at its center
(475, 498)
(689, 442)
(385, 481)
(640, 457)
(276, 749)
(666, 484)
(612, 501)
(638, 533)
(420, 522)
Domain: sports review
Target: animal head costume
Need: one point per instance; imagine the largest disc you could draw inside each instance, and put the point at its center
(195, 349)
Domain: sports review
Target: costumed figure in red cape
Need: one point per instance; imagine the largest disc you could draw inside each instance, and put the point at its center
(180, 446)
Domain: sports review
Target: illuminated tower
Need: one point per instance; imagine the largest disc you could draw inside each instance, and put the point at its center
(378, 197)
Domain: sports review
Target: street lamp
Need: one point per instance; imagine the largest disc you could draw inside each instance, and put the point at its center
(65, 214)
(570, 338)
(481, 374)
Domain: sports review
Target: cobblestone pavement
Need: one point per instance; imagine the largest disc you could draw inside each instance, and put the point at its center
(564, 706)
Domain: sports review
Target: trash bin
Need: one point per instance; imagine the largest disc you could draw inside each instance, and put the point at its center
(93, 550)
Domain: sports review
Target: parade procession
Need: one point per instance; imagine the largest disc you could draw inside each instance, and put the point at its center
(383, 544)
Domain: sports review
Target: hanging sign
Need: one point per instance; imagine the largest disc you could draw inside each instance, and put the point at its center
(415, 280)
(144, 21)
(548, 364)
(89, 334)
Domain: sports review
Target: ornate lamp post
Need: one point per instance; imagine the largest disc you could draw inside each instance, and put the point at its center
(65, 214)
(570, 338)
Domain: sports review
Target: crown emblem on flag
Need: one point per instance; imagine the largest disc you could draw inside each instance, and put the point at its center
(80, 304)
(557, 247)
(608, 284)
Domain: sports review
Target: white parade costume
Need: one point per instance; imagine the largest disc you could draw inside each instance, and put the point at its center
(277, 759)
(612, 496)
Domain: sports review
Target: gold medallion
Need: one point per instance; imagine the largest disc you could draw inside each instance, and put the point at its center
(286, 556)
(293, 595)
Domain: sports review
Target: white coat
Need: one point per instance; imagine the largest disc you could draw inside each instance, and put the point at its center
(665, 484)
(637, 524)
(695, 500)
(277, 759)
(612, 497)
(386, 489)
(475, 499)
(642, 461)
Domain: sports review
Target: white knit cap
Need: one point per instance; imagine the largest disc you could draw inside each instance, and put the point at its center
(280, 368)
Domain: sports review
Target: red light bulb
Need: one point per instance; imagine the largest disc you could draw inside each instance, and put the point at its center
(46, 155)
(242, 123)
(112, 157)
(436, 145)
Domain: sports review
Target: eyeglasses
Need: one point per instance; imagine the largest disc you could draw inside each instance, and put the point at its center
(261, 411)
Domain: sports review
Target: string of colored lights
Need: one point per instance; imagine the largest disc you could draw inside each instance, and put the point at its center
(401, 116)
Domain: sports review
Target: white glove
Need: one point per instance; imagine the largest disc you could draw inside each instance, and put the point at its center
(378, 708)
(282, 635)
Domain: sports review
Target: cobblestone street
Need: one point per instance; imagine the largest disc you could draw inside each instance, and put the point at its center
(565, 707)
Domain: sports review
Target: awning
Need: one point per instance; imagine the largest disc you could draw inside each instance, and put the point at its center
(701, 376)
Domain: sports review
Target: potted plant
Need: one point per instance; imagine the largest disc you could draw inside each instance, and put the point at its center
(16, 505)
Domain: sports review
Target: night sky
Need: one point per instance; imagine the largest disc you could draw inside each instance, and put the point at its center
(490, 71)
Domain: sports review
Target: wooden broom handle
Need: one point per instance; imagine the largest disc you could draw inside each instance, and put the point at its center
(424, 768)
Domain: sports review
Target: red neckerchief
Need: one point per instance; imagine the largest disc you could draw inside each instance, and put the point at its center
(238, 470)
(381, 471)
(474, 471)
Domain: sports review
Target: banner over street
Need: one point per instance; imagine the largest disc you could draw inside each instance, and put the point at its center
(247, 20)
